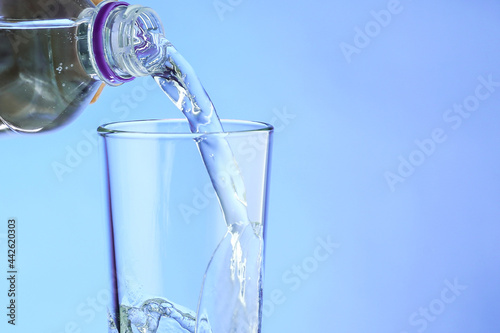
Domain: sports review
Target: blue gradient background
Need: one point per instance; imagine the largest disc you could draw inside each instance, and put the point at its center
(347, 125)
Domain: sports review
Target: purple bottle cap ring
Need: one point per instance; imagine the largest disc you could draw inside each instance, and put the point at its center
(98, 43)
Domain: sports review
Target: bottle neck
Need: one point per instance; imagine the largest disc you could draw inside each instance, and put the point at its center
(122, 42)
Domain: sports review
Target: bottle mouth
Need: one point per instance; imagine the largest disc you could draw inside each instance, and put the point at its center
(107, 74)
(127, 42)
(140, 47)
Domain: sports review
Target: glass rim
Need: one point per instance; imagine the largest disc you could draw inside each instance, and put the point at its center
(105, 130)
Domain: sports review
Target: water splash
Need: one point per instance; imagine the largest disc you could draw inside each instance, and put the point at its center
(157, 316)
(234, 272)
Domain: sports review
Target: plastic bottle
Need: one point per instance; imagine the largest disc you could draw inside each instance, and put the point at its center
(55, 54)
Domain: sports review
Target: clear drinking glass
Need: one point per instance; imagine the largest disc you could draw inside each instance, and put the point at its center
(177, 265)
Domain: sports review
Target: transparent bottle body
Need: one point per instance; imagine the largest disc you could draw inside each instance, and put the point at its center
(54, 58)
(42, 82)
